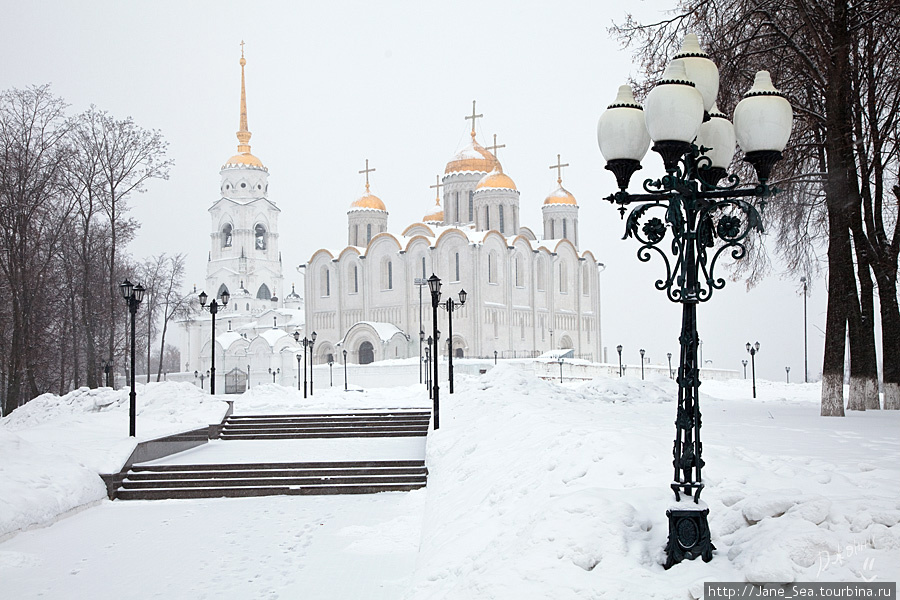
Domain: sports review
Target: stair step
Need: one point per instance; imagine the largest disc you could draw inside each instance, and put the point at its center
(299, 435)
(261, 481)
(398, 413)
(283, 465)
(318, 474)
(300, 429)
(238, 492)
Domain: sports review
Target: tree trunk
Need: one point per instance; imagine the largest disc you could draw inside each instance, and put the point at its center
(863, 359)
(890, 340)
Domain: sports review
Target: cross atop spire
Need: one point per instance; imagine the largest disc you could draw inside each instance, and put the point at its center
(558, 166)
(495, 147)
(243, 134)
(473, 116)
(367, 170)
(437, 189)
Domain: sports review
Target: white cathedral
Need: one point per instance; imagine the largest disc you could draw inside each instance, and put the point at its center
(527, 293)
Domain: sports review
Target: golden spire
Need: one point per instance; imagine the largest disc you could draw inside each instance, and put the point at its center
(558, 166)
(473, 116)
(243, 135)
(367, 170)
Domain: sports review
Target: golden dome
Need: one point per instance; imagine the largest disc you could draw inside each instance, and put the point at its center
(496, 180)
(560, 196)
(369, 200)
(244, 159)
(472, 158)
(436, 215)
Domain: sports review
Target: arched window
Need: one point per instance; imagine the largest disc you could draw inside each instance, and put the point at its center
(260, 233)
(456, 206)
(263, 293)
(390, 275)
(457, 267)
(501, 218)
(563, 284)
(565, 229)
(227, 235)
(326, 281)
(353, 277)
(356, 235)
(490, 269)
(487, 217)
(368, 233)
(518, 271)
(471, 206)
(222, 288)
(423, 268)
(552, 230)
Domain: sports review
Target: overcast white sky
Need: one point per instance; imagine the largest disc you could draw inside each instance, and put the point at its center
(330, 84)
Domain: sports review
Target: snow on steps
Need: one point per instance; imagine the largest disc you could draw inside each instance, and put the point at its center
(300, 426)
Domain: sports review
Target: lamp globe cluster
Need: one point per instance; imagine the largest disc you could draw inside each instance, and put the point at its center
(681, 110)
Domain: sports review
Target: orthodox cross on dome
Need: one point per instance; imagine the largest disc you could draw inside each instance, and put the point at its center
(473, 116)
(558, 166)
(437, 188)
(493, 149)
(367, 170)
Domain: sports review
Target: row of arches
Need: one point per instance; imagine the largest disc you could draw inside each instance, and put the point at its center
(260, 236)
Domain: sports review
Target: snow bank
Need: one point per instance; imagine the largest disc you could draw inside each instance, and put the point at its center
(538, 490)
(270, 398)
(54, 447)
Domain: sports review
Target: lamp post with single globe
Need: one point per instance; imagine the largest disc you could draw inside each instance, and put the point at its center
(619, 350)
(687, 214)
(434, 286)
(560, 361)
(345, 369)
(752, 350)
(642, 363)
(421, 339)
(312, 355)
(805, 347)
(495, 358)
(429, 341)
(787, 374)
(669, 356)
(744, 362)
(213, 308)
(299, 360)
(133, 295)
(331, 372)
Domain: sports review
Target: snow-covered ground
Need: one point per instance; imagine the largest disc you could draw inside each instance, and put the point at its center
(535, 490)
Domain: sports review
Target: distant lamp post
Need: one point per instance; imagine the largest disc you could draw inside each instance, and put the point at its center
(331, 372)
(345, 369)
(560, 361)
(805, 346)
(642, 363)
(201, 377)
(274, 373)
(299, 360)
(619, 350)
(312, 355)
(744, 362)
(787, 374)
(421, 337)
(669, 356)
(752, 350)
(133, 294)
(434, 286)
(450, 305)
(495, 358)
(307, 344)
(213, 308)
(429, 341)
(248, 377)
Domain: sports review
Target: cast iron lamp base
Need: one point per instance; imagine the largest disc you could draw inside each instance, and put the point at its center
(688, 536)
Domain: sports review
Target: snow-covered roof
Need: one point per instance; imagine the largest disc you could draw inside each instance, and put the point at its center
(228, 338)
(384, 331)
(274, 335)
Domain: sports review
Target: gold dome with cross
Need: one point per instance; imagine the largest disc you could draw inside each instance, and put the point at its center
(561, 195)
(368, 200)
(473, 158)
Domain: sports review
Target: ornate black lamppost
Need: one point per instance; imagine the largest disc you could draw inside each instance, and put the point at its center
(213, 308)
(704, 220)
(669, 356)
(331, 372)
(805, 348)
(133, 295)
(312, 341)
(429, 341)
(642, 363)
(787, 374)
(299, 361)
(619, 350)
(752, 350)
(744, 362)
(495, 358)
(201, 376)
(421, 338)
(434, 286)
(345, 369)
(450, 305)
(560, 361)
(274, 373)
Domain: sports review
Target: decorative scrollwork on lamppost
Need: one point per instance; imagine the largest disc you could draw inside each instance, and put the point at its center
(699, 221)
(133, 295)
(213, 308)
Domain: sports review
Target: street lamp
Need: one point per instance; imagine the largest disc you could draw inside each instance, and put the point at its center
(787, 374)
(133, 294)
(560, 361)
(669, 356)
(642, 363)
(752, 350)
(213, 308)
(495, 358)
(331, 372)
(805, 348)
(312, 355)
(248, 377)
(420, 282)
(434, 286)
(450, 305)
(299, 360)
(307, 343)
(429, 341)
(201, 376)
(274, 373)
(345, 369)
(619, 350)
(705, 221)
(107, 370)
(744, 362)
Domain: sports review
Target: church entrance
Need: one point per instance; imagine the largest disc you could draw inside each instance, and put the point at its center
(235, 381)
(366, 353)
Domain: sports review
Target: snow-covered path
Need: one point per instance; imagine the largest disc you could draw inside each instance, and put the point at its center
(273, 547)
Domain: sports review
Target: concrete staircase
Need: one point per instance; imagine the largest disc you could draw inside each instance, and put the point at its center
(405, 423)
(270, 479)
